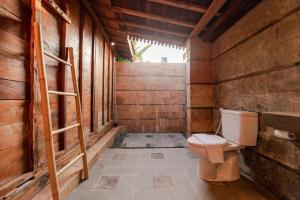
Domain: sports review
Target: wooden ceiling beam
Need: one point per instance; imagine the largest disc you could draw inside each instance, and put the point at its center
(146, 27)
(145, 36)
(123, 51)
(126, 46)
(119, 39)
(116, 38)
(118, 34)
(208, 15)
(151, 28)
(117, 31)
(182, 5)
(146, 15)
(162, 40)
(235, 10)
(122, 42)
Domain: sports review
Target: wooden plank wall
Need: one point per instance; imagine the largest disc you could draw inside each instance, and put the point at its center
(22, 150)
(150, 97)
(200, 87)
(14, 88)
(257, 68)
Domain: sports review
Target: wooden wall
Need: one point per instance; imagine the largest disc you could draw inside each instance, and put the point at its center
(150, 97)
(200, 87)
(257, 68)
(14, 89)
(22, 148)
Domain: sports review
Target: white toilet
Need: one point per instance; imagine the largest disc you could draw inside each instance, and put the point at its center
(239, 129)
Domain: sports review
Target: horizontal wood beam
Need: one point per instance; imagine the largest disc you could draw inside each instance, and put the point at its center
(146, 36)
(162, 40)
(146, 27)
(182, 5)
(208, 15)
(151, 28)
(119, 39)
(116, 31)
(120, 35)
(234, 11)
(122, 45)
(146, 15)
(123, 52)
(122, 42)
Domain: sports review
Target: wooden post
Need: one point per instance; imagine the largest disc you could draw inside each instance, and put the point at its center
(81, 28)
(103, 82)
(108, 83)
(62, 119)
(34, 110)
(94, 111)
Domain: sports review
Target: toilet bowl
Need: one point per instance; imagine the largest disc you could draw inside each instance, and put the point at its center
(239, 129)
(227, 171)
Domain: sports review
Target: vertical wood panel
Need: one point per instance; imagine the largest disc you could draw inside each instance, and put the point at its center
(86, 73)
(62, 142)
(94, 113)
(100, 65)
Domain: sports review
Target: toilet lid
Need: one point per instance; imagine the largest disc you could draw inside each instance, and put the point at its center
(205, 139)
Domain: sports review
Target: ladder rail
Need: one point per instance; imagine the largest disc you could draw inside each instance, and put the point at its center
(46, 111)
(79, 115)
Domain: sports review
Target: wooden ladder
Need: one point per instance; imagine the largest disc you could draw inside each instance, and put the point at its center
(45, 103)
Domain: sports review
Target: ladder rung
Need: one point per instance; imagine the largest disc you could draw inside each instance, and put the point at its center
(57, 58)
(65, 129)
(62, 93)
(69, 164)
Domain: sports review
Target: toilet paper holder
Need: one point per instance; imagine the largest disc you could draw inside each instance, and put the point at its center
(284, 135)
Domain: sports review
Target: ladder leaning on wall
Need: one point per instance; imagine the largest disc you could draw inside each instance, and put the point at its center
(45, 103)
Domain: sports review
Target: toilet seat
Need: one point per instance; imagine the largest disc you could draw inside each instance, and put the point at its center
(215, 139)
(205, 139)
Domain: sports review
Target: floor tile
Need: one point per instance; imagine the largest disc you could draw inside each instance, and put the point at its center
(155, 174)
(108, 182)
(162, 182)
(157, 156)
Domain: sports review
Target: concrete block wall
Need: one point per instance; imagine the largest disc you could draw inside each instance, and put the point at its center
(150, 97)
(200, 87)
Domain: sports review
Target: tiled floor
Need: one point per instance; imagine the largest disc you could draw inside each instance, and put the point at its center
(155, 174)
(148, 140)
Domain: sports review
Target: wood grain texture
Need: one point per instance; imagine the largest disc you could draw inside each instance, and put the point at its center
(86, 74)
(256, 68)
(264, 15)
(105, 83)
(150, 97)
(274, 49)
(20, 128)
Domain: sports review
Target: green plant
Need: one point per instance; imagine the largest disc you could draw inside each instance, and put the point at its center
(139, 51)
(121, 59)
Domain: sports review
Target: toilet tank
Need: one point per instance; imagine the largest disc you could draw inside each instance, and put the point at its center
(240, 127)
